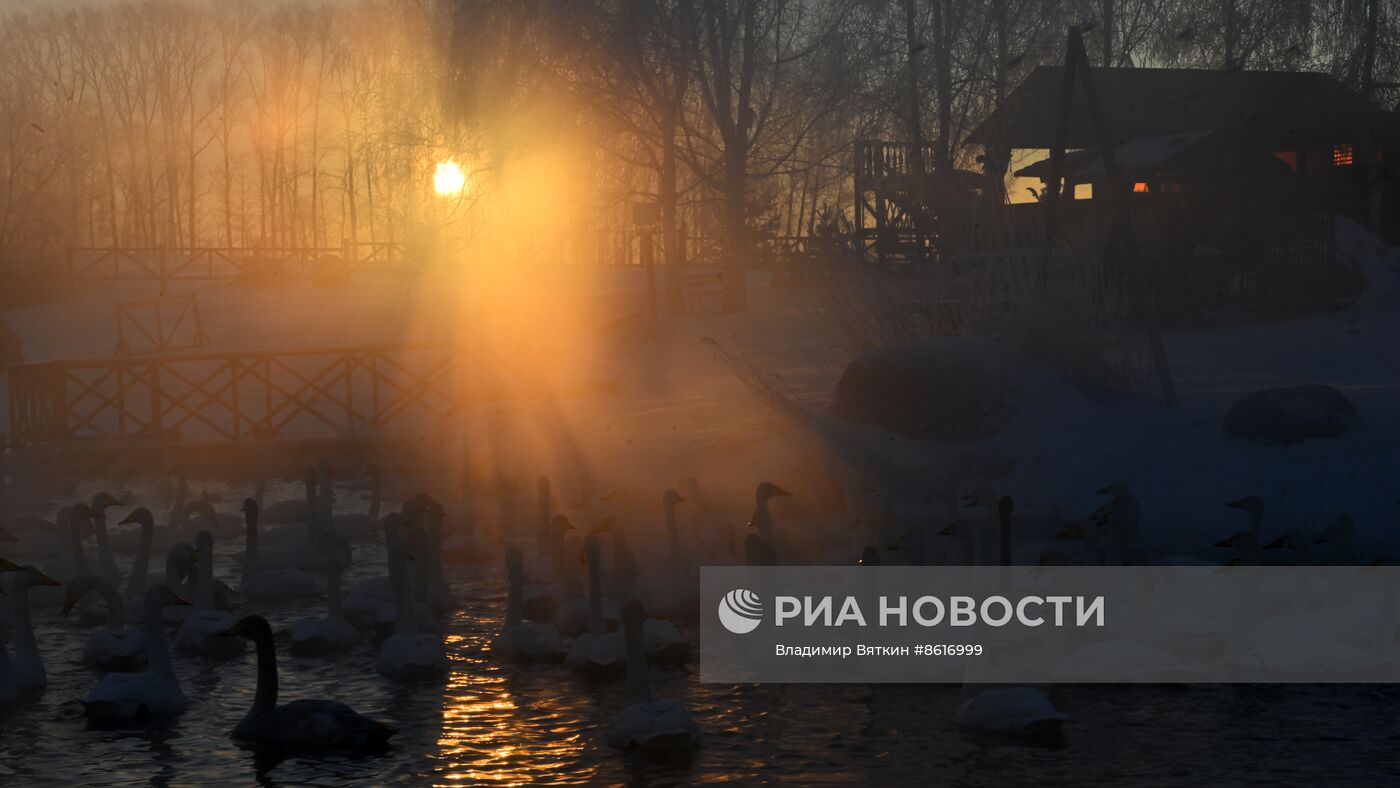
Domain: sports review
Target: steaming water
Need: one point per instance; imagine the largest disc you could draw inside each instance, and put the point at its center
(499, 723)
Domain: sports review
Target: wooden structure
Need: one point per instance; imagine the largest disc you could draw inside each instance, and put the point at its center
(211, 397)
(885, 209)
(164, 265)
(158, 325)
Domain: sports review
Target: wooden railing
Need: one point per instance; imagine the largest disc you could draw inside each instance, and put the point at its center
(172, 264)
(251, 395)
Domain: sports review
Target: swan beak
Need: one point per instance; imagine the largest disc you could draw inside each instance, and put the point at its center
(1236, 504)
(778, 491)
(612, 496)
(8, 566)
(178, 600)
(130, 518)
(946, 530)
(45, 580)
(1274, 545)
(679, 499)
(1102, 491)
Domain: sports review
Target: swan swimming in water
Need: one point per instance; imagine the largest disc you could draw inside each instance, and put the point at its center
(156, 692)
(201, 631)
(408, 653)
(520, 639)
(317, 724)
(276, 582)
(597, 651)
(318, 636)
(114, 646)
(647, 723)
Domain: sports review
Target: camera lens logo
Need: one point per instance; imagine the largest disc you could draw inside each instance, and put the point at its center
(740, 611)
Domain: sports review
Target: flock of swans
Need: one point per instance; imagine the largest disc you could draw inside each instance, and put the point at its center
(586, 597)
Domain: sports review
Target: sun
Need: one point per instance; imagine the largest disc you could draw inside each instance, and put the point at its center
(448, 179)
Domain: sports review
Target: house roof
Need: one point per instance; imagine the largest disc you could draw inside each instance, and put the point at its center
(1140, 154)
(1152, 102)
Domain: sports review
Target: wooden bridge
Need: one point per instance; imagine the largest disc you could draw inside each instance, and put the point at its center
(214, 397)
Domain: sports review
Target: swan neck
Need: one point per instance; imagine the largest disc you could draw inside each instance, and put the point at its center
(405, 611)
(250, 551)
(104, 549)
(595, 595)
(26, 647)
(204, 588)
(638, 681)
(116, 612)
(515, 599)
(157, 648)
(141, 566)
(265, 698)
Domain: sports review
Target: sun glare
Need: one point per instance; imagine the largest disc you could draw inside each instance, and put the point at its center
(449, 180)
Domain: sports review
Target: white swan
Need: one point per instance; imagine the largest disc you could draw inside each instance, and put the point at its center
(24, 672)
(646, 723)
(115, 646)
(520, 639)
(319, 636)
(304, 723)
(107, 565)
(597, 651)
(201, 631)
(409, 653)
(156, 692)
(571, 616)
(1017, 711)
(277, 582)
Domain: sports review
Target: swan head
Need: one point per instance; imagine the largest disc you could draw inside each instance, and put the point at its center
(1250, 503)
(141, 516)
(592, 548)
(982, 496)
(83, 511)
(769, 490)
(104, 500)
(561, 524)
(1116, 490)
(670, 498)
(1336, 532)
(203, 545)
(515, 560)
(1005, 506)
(253, 627)
(162, 596)
(958, 528)
(542, 485)
(9, 566)
(249, 507)
(77, 589)
(309, 479)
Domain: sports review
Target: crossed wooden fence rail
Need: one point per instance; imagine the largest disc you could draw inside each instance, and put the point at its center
(251, 395)
(156, 325)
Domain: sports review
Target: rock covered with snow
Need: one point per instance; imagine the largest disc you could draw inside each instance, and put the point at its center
(1290, 414)
(948, 389)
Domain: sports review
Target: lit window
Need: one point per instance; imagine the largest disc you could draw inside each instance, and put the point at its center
(1343, 155)
(1140, 187)
(1083, 191)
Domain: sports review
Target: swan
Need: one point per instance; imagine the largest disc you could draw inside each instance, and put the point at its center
(426, 546)
(200, 632)
(33, 539)
(317, 723)
(597, 651)
(408, 653)
(1294, 542)
(571, 616)
(356, 525)
(520, 639)
(24, 672)
(140, 567)
(672, 591)
(1119, 518)
(646, 723)
(115, 646)
(275, 582)
(544, 601)
(1247, 543)
(156, 692)
(180, 577)
(759, 551)
(1016, 711)
(327, 635)
(294, 510)
(762, 520)
(364, 601)
(663, 641)
(107, 565)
